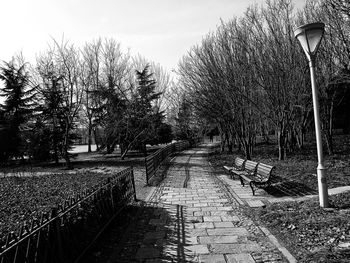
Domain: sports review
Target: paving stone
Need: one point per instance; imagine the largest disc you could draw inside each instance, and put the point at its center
(217, 258)
(219, 213)
(212, 219)
(204, 225)
(211, 204)
(209, 208)
(235, 248)
(218, 239)
(239, 258)
(193, 209)
(200, 205)
(230, 218)
(222, 200)
(255, 203)
(197, 232)
(223, 224)
(225, 208)
(192, 240)
(198, 249)
(235, 231)
(202, 213)
(194, 219)
(192, 202)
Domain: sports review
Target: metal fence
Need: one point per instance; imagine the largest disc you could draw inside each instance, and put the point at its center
(65, 233)
(155, 160)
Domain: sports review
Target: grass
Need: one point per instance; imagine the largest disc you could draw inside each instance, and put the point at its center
(27, 190)
(311, 233)
(24, 198)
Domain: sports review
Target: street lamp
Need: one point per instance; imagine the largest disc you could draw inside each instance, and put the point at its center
(310, 36)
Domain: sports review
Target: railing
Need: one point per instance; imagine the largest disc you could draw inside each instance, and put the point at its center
(155, 160)
(65, 233)
(181, 145)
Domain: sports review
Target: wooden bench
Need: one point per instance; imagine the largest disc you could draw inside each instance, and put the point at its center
(260, 178)
(237, 166)
(249, 169)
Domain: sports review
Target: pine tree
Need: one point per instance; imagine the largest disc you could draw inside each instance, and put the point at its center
(17, 107)
(141, 118)
(53, 112)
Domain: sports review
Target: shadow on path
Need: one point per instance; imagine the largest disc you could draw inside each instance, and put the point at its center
(282, 187)
(152, 233)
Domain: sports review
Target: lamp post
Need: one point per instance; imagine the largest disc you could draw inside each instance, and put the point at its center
(310, 36)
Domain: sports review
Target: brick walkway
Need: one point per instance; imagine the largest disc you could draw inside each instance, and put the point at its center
(192, 217)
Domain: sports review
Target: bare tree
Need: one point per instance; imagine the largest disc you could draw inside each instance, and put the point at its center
(91, 81)
(67, 60)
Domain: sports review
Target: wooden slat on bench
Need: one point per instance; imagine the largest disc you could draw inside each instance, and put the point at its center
(250, 166)
(238, 165)
(239, 162)
(264, 171)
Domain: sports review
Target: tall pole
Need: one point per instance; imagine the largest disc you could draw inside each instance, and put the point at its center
(321, 170)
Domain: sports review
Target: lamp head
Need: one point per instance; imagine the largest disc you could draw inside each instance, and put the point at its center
(310, 36)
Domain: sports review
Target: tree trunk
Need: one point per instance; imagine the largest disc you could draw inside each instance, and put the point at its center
(230, 147)
(302, 133)
(55, 144)
(329, 133)
(329, 142)
(89, 135)
(95, 131)
(281, 146)
(124, 151)
(66, 146)
(239, 145)
(121, 146)
(223, 142)
(247, 151)
(55, 149)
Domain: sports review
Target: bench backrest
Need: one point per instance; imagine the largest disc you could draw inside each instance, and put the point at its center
(239, 162)
(250, 166)
(264, 171)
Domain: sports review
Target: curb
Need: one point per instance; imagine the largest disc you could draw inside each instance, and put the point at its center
(150, 194)
(281, 248)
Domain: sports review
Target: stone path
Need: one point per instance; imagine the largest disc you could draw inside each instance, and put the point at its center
(198, 223)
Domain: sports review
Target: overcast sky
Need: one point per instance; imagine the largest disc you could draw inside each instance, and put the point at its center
(160, 30)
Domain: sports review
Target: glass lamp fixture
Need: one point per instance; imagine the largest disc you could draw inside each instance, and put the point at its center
(310, 36)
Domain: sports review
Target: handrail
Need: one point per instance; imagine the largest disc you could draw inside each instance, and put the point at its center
(40, 241)
(156, 159)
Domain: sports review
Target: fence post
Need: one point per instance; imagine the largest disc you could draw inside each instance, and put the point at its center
(56, 230)
(133, 183)
(146, 171)
(110, 186)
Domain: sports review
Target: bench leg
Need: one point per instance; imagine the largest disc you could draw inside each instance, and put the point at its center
(242, 182)
(252, 187)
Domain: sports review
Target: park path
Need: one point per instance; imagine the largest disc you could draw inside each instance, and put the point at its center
(193, 217)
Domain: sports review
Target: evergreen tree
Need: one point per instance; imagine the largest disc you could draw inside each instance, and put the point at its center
(17, 108)
(141, 117)
(53, 115)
